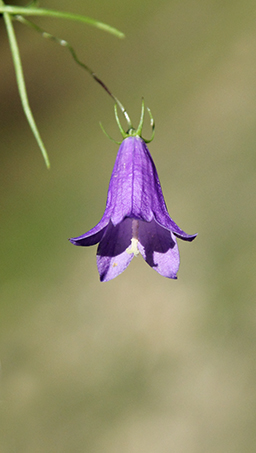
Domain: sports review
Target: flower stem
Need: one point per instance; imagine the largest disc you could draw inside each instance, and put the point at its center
(64, 43)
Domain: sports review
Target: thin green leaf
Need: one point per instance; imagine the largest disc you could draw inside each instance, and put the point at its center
(21, 85)
(27, 11)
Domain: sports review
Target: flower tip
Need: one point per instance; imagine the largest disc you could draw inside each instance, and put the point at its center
(193, 236)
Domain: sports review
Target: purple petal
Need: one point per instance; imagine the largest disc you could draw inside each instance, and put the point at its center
(111, 267)
(171, 225)
(94, 235)
(159, 249)
(112, 257)
(135, 190)
(130, 186)
(159, 208)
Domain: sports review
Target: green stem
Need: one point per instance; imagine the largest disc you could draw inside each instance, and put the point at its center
(64, 43)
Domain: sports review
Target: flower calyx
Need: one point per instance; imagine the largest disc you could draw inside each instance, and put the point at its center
(131, 131)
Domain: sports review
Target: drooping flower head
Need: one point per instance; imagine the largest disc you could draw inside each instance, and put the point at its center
(136, 219)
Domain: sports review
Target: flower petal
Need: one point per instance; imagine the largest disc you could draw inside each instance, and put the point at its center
(130, 186)
(168, 223)
(112, 257)
(161, 213)
(159, 248)
(94, 235)
(135, 190)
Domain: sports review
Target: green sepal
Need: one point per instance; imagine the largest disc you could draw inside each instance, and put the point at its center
(110, 138)
(131, 131)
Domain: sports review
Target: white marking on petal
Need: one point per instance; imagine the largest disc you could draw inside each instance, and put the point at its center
(133, 247)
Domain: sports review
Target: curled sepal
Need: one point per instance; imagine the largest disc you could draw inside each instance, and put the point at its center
(113, 140)
(123, 133)
(140, 126)
(131, 131)
(152, 124)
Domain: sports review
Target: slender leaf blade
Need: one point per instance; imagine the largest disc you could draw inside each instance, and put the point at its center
(22, 87)
(26, 11)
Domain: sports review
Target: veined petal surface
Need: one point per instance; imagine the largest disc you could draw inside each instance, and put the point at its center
(159, 248)
(112, 257)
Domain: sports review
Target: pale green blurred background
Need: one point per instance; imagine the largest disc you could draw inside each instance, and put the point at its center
(141, 363)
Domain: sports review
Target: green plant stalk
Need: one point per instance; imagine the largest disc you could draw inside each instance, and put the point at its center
(27, 11)
(8, 12)
(64, 43)
(22, 86)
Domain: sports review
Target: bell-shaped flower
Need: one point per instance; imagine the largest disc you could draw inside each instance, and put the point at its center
(136, 219)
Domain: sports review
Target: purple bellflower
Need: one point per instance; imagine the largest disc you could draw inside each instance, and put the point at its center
(136, 219)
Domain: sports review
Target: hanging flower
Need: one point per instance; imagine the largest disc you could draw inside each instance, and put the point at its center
(136, 219)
